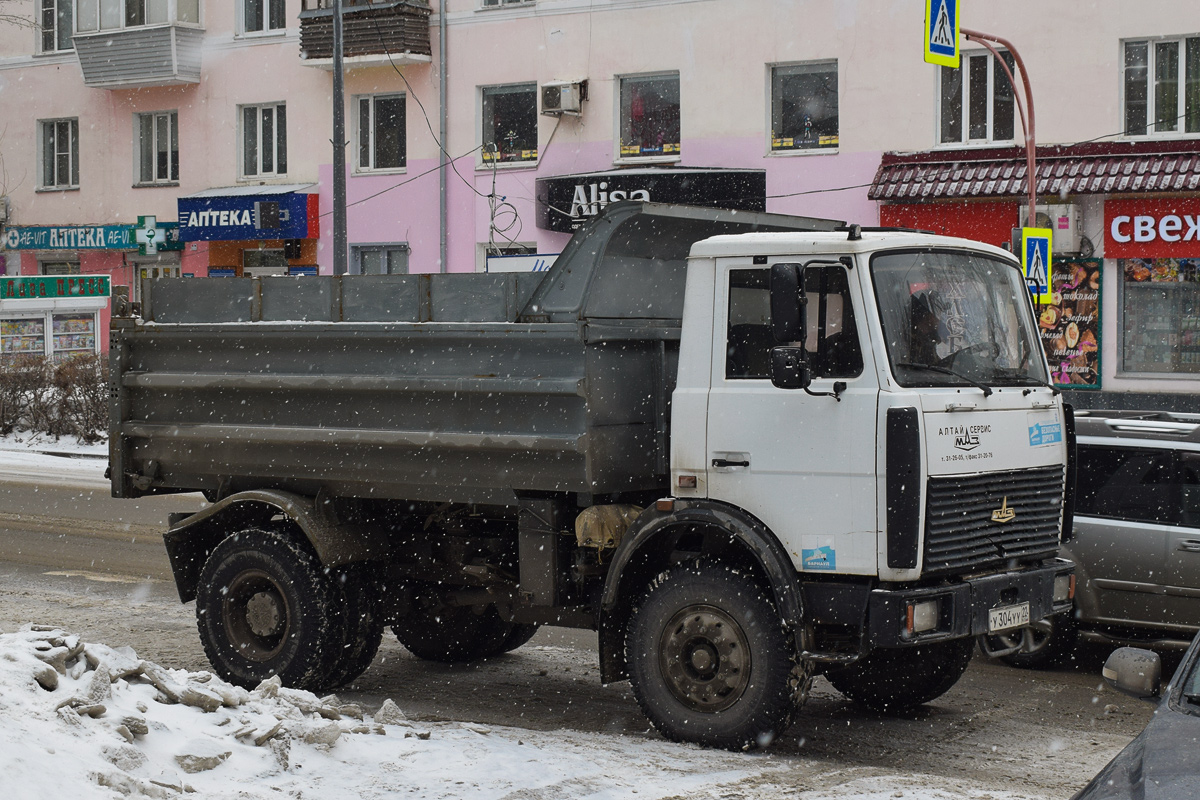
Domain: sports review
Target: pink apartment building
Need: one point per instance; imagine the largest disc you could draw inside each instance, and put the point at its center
(479, 132)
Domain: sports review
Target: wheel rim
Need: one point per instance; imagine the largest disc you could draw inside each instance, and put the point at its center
(255, 614)
(704, 657)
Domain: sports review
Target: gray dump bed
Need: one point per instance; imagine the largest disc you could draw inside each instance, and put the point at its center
(452, 388)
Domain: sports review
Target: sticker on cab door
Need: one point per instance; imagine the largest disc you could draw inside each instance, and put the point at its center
(819, 558)
(1044, 431)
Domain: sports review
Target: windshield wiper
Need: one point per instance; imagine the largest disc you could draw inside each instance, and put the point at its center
(987, 390)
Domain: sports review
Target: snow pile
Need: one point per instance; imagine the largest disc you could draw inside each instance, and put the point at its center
(93, 721)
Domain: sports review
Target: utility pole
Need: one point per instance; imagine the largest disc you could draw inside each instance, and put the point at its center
(339, 147)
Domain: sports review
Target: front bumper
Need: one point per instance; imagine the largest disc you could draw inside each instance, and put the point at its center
(963, 607)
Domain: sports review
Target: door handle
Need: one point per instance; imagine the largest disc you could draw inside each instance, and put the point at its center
(724, 462)
(1190, 545)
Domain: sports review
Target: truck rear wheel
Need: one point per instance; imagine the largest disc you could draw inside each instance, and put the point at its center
(897, 679)
(451, 634)
(265, 607)
(709, 659)
(362, 624)
(519, 636)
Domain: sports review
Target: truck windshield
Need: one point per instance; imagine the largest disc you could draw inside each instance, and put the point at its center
(953, 318)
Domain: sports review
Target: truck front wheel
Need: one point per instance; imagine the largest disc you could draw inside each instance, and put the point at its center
(264, 607)
(709, 658)
(901, 678)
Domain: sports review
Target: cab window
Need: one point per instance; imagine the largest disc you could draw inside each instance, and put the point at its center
(832, 335)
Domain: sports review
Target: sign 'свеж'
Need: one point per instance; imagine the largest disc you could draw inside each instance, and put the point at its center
(1160, 228)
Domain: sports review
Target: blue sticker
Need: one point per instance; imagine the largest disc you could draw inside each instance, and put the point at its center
(1045, 433)
(822, 558)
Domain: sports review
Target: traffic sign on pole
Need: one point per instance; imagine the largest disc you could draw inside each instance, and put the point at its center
(941, 32)
(1035, 261)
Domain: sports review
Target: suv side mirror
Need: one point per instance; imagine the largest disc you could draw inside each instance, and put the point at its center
(788, 323)
(790, 368)
(1134, 671)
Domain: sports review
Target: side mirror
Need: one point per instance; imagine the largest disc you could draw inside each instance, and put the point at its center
(1134, 671)
(788, 322)
(789, 368)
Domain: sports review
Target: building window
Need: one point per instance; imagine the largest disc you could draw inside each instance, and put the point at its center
(59, 144)
(1162, 87)
(263, 15)
(382, 143)
(158, 147)
(498, 3)
(804, 106)
(649, 116)
(264, 140)
(379, 259)
(510, 123)
(56, 25)
(1161, 315)
(108, 15)
(977, 101)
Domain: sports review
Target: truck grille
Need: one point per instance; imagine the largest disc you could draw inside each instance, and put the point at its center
(960, 534)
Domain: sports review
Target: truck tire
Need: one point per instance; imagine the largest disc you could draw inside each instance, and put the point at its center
(897, 679)
(1054, 640)
(519, 636)
(361, 623)
(451, 634)
(265, 607)
(709, 659)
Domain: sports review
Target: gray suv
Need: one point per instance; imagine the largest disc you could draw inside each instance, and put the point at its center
(1136, 543)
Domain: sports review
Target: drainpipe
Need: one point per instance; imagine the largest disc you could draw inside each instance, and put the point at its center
(443, 161)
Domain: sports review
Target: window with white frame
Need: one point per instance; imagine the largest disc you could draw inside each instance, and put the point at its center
(59, 145)
(976, 101)
(382, 141)
(264, 140)
(56, 21)
(498, 3)
(649, 116)
(379, 259)
(157, 147)
(510, 123)
(109, 15)
(804, 106)
(261, 16)
(1162, 86)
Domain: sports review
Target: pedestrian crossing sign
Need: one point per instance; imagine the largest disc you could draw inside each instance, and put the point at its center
(1035, 261)
(941, 32)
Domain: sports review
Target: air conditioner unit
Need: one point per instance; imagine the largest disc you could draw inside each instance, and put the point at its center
(563, 97)
(1062, 219)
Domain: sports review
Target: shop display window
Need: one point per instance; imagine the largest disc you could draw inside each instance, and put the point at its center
(510, 123)
(73, 334)
(22, 337)
(804, 106)
(1161, 307)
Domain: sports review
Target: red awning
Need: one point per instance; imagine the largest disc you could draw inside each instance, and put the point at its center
(1094, 168)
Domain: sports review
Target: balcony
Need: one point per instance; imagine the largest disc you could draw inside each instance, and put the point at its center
(136, 57)
(374, 33)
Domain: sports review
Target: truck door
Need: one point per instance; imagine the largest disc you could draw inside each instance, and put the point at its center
(804, 465)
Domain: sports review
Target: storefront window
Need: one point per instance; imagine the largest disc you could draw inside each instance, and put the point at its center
(649, 116)
(59, 268)
(1161, 324)
(804, 106)
(74, 334)
(510, 123)
(23, 337)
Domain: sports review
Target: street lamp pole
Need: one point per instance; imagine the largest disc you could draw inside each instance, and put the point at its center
(339, 147)
(1026, 108)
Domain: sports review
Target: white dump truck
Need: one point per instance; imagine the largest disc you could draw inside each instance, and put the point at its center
(745, 448)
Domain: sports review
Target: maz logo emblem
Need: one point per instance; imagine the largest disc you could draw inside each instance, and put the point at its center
(1003, 513)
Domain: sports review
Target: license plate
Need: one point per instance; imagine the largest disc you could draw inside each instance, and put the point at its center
(1006, 617)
